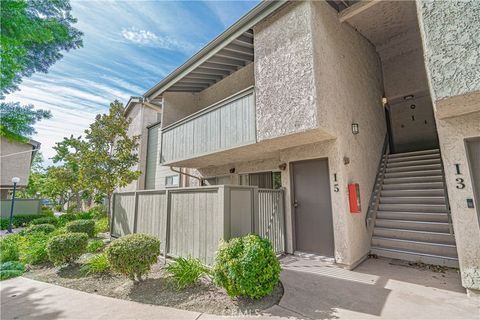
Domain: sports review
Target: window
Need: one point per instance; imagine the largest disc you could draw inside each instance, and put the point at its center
(269, 180)
(172, 181)
(213, 181)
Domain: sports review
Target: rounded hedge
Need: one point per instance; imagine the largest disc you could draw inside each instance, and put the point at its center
(133, 255)
(85, 226)
(66, 218)
(66, 248)
(45, 220)
(44, 228)
(247, 267)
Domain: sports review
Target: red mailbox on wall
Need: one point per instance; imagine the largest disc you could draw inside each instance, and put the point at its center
(354, 197)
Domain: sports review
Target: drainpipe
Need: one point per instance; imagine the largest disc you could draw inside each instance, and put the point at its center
(187, 174)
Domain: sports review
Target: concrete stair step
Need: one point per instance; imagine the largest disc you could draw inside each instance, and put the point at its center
(413, 185)
(413, 179)
(413, 200)
(423, 167)
(413, 158)
(413, 193)
(412, 207)
(415, 257)
(420, 173)
(413, 225)
(445, 250)
(413, 153)
(414, 235)
(412, 163)
(413, 216)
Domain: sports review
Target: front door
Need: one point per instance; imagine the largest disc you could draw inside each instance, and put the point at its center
(312, 207)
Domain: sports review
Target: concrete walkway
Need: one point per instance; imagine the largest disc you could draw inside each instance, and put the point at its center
(313, 290)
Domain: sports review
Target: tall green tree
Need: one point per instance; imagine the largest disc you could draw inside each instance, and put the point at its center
(18, 121)
(33, 34)
(111, 153)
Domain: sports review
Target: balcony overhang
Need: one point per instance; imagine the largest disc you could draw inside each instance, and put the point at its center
(227, 53)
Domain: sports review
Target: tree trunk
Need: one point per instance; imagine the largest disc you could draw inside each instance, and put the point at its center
(78, 200)
(109, 207)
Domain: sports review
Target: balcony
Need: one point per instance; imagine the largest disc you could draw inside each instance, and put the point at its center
(225, 125)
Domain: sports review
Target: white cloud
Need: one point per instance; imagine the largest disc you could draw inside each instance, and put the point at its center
(148, 38)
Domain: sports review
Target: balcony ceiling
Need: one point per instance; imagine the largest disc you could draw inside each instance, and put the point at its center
(232, 57)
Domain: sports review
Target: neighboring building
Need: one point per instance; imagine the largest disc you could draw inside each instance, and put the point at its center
(315, 95)
(15, 161)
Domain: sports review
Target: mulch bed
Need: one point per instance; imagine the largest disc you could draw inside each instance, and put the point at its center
(156, 289)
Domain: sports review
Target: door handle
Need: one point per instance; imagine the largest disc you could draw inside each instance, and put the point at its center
(295, 204)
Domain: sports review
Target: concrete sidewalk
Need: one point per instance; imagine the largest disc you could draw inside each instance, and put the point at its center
(378, 289)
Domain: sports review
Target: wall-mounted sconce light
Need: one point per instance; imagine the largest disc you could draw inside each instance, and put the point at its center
(346, 160)
(355, 128)
(282, 166)
(232, 170)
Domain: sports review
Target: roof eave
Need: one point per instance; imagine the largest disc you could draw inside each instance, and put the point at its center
(258, 13)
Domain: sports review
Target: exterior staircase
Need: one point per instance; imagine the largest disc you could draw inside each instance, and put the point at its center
(409, 210)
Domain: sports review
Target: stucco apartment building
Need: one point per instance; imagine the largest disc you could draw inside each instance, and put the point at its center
(15, 161)
(367, 113)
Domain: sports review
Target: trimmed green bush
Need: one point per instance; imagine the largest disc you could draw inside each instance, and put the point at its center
(96, 264)
(45, 220)
(44, 228)
(47, 212)
(247, 267)
(33, 248)
(133, 254)
(8, 274)
(94, 245)
(83, 215)
(85, 226)
(19, 220)
(98, 212)
(12, 265)
(186, 271)
(66, 218)
(66, 248)
(102, 225)
(9, 250)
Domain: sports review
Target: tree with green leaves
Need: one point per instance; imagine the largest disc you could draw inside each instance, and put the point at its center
(33, 34)
(111, 153)
(18, 121)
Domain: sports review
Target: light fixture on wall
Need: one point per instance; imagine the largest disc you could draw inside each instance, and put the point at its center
(232, 170)
(355, 129)
(282, 166)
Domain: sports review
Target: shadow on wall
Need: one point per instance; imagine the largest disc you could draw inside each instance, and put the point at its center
(28, 304)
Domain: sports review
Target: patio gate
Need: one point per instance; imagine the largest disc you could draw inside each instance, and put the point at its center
(271, 217)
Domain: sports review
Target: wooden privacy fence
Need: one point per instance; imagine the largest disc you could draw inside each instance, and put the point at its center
(193, 221)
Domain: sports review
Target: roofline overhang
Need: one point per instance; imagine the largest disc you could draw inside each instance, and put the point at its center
(258, 13)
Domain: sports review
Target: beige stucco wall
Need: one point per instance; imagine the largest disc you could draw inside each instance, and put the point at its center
(284, 81)
(17, 165)
(451, 38)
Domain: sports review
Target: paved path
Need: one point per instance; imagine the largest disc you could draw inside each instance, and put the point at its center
(313, 290)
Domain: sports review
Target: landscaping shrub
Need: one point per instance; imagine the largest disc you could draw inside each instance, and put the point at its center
(85, 226)
(96, 264)
(66, 248)
(71, 208)
(47, 212)
(83, 215)
(102, 225)
(19, 220)
(11, 269)
(186, 271)
(94, 245)
(33, 248)
(43, 228)
(66, 218)
(58, 207)
(9, 248)
(44, 220)
(133, 255)
(247, 267)
(98, 212)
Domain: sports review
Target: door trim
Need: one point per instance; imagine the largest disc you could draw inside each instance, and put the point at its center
(470, 171)
(292, 199)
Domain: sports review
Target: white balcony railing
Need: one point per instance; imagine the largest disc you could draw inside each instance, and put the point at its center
(224, 125)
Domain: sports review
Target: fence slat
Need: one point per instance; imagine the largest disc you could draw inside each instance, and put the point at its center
(271, 217)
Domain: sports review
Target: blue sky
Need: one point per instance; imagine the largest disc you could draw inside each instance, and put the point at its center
(128, 47)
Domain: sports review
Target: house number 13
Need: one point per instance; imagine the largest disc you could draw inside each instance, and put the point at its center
(460, 181)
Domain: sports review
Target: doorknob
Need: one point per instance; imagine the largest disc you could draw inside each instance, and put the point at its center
(295, 204)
